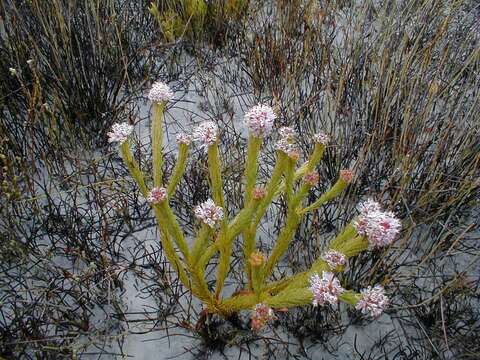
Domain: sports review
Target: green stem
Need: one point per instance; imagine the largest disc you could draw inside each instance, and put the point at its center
(331, 194)
(354, 246)
(284, 239)
(250, 233)
(201, 242)
(157, 141)
(251, 166)
(214, 168)
(133, 167)
(170, 253)
(289, 179)
(173, 227)
(178, 170)
(306, 167)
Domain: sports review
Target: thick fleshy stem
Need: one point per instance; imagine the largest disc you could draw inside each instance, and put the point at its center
(201, 242)
(214, 168)
(306, 167)
(289, 179)
(137, 175)
(249, 233)
(351, 247)
(311, 164)
(271, 188)
(348, 233)
(179, 169)
(301, 279)
(283, 240)
(168, 221)
(251, 166)
(170, 253)
(331, 194)
(157, 142)
(173, 227)
(133, 167)
(303, 296)
(257, 280)
(223, 247)
(354, 246)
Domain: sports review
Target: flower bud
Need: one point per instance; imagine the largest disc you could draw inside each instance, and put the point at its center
(346, 175)
(259, 193)
(311, 178)
(256, 258)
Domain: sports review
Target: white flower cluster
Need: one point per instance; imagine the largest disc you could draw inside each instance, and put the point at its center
(206, 134)
(259, 120)
(334, 259)
(373, 301)
(321, 138)
(120, 132)
(157, 195)
(381, 227)
(325, 289)
(208, 212)
(160, 92)
(183, 138)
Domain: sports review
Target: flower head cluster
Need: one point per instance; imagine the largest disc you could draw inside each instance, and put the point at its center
(259, 120)
(183, 138)
(286, 132)
(321, 138)
(373, 301)
(346, 175)
(261, 314)
(208, 212)
(157, 195)
(160, 92)
(325, 289)
(206, 133)
(334, 258)
(311, 178)
(381, 227)
(259, 193)
(120, 132)
(288, 148)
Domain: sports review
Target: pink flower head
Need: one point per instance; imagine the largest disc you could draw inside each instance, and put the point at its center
(206, 133)
(261, 314)
(120, 132)
(373, 301)
(346, 175)
(288, 148)
(325, 289)
(208, 212)
(381, 227)
(157, 195)
(160, 92)
(259, 120)
(311, 178)
(183, 138)
(259, 193)
(321, 138)
(286, 133)
(334, 259)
